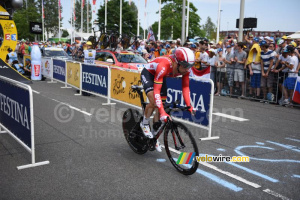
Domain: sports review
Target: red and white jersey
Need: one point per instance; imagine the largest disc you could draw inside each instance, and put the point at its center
(163, 67)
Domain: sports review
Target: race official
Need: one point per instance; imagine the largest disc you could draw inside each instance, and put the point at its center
(11, 56)
(89, 54)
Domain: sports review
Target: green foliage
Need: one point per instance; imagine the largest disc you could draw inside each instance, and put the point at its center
(129, 16)
(22, 18)
(64, 33)
(78, 16)
(51, 15)
(210, 29)
(171, 20)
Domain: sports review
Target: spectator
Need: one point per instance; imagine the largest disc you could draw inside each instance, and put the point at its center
(203, 58)
(289, 83)
(253, 63)
(229, 57)
(267, 60)
(163, 51)
(281, 63)
(27, 67)
(197, 59)
(220, 65)
(169, 51)
(240, 59)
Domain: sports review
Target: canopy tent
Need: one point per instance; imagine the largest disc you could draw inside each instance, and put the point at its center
(295, 35)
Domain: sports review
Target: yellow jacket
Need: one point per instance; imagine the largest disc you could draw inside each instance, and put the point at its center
(250, 56)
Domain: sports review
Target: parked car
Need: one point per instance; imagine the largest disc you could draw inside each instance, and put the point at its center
(123, 59)
(54, 52)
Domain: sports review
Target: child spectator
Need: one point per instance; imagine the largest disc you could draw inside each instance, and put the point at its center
(253, 63)
(220, 65)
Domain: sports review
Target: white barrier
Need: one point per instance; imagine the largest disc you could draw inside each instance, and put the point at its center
(11, 125)
(207, 127)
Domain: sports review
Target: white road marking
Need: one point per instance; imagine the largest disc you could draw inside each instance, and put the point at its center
(231, 117)
(36, 92)
(275, 194)
(72, 107)
(230, 175)
(237, 177)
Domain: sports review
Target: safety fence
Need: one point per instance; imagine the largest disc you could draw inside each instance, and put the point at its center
(16, 116)
(253, 86)
(115, 84)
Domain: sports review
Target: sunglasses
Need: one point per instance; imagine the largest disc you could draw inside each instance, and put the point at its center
(185, 64)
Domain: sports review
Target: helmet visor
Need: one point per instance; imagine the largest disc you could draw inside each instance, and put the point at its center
(186, 64)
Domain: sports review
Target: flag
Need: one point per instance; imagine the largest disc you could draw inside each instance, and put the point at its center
(296, 95)
(129, 2)
(145, 3)
(59, 5)
(82, 3)
(94, 2)
(43, 9)
(74, 11)
(204, 73)
(150, 36)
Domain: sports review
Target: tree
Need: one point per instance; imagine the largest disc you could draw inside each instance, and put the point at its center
(78, 16)
(171, 20)
(210, 29)
(129, 16)
(65, 33)
(51, 15)
(22, 18)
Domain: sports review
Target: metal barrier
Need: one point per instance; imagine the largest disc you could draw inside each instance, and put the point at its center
(16, 116)
(256, 88)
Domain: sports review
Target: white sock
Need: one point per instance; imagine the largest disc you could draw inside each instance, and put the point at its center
(146, 120)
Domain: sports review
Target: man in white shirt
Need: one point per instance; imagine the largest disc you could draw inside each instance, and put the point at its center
(203, 58)
(289, 83)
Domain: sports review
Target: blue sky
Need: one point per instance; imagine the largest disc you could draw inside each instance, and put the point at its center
(272, 15)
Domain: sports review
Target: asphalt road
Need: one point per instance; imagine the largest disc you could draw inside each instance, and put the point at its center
(90, 159)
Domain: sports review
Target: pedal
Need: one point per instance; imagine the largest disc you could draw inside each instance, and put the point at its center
(151, 145)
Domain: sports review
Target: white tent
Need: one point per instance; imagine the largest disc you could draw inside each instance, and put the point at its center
(295, 35)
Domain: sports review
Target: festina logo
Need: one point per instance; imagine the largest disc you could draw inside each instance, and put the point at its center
(196, 100)
(2, 67)
(94, 79)
(59, 70)
(15, 110)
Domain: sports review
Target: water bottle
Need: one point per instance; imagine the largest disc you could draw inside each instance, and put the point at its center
(36, 63)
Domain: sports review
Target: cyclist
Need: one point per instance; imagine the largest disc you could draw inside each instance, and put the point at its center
(153, 79)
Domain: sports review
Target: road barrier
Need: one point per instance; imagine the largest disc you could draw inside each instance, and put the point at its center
(16, 115)
(115, 84)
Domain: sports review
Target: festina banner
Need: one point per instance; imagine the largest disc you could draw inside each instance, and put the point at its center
(95, 79)
(59, 70)
(15, 111)
(200, 99)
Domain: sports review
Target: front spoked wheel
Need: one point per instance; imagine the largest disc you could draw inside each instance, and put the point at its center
(181, 148)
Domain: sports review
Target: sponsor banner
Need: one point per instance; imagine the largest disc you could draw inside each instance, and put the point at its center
(121, 82)
(36, 28)
(15, 111)
(59, 70)
(200, 99)
(24, 58)
(47, 67)
(8, 34)
(73, 74)
(95, 79)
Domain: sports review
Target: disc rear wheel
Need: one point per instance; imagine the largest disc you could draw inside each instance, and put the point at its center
(132, 131)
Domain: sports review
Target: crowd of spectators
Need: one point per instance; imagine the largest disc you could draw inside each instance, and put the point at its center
(259, 68)
(241, 69)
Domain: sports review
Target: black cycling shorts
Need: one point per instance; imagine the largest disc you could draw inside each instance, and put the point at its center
(148, 82)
